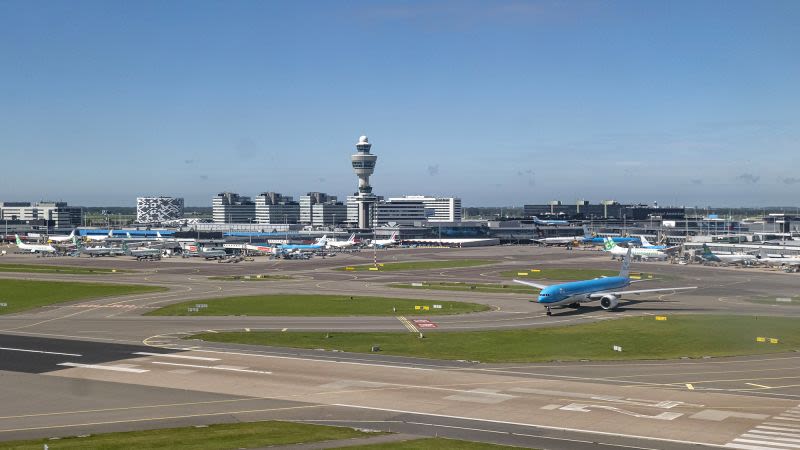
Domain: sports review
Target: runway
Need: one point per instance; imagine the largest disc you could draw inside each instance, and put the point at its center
(733, 402)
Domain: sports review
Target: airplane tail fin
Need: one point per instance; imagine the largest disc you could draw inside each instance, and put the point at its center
(72, 233)
(394, 236)
(626, 264)
(19, 241)
(645, 243)
(352, 238)
(586, 232)
(609, 244)
(706, 250)
(158, 234)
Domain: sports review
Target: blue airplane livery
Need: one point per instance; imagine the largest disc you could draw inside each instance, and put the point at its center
(600, 240)
(539, 221)
(606, 289)
(320, 244)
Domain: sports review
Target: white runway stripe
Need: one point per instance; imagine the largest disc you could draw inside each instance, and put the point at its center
(231, 369)
(790, 425)
(786, 418)
(781, 439)
(752, 447)
(175, 355)
(9, 349)
(766, 433)
(793, 430)
(96, 366)
(768, 443)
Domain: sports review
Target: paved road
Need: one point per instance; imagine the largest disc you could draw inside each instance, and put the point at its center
(675, 404)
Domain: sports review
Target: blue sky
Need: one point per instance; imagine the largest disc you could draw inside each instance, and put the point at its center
(500, 103)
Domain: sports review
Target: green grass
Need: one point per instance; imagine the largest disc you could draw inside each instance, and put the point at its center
(560, 274)
(419, 265)
(222, 436)
(430, 444)
(494, 288)
(640, 337)
(21, 295)
(314, 305)
(36, 268)
(252, 278)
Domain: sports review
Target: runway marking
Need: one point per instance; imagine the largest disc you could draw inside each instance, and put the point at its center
(38, 351)
(173, 355)
(150, 419)
(769, 436)
(529, 425)
(99, 367)
(407, 323)
(759, 385)
(579, 407)
(690, 386)
(231, 369)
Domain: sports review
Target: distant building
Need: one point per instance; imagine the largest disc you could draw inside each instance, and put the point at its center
(445, 209)
(229, 207)
(399, 211)
(55, 214)
(275, 208)
(607, 209)
(330, 213)
(158, 209)
(308, 201)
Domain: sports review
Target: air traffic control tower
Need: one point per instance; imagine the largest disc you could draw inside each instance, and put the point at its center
(364, 165)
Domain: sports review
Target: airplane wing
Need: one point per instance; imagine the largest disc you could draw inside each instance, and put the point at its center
(597, 295)
(528, 283)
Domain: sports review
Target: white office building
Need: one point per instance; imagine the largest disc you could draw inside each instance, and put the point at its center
(437, 209)
(158, 209)
(275, 208)
(57, 214)
(400, 212)
(308, 201)
(327, 214)
(230, 207)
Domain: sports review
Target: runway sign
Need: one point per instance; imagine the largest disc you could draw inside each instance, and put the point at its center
(437, 306)
(426, 308)
(424, 323)
(373, 268)
(417, 308)
(522, 273)
(349, 268)
(617, 348)
(773, 341)
(761, 339)
(661, 317)
(535, 270)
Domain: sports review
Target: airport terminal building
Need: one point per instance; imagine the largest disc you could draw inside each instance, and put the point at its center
(158, 209)
(53, 214)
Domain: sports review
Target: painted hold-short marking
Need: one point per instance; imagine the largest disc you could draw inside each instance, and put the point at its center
(99, 367)
(173, 355)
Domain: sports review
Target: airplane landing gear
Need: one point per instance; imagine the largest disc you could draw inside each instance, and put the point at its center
(549, 313)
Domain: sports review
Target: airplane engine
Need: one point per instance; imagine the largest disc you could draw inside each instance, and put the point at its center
(609, 302)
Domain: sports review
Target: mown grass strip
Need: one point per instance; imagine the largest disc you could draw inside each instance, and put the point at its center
(315, 305)
(640, 338)
(221, 436)
(46, 268)
(494, 288)
(419, 265)
(21, 295)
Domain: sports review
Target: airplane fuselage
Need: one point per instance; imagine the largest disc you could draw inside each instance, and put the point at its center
(578, 291)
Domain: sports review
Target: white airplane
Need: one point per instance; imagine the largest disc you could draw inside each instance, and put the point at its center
(101, 237)
(782, 261)
(710, 256)
(61, 238)
(34, 248)
(350, 242)
(643, 253)
(385, 242)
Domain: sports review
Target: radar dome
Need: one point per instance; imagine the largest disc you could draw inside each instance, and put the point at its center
(363, 140)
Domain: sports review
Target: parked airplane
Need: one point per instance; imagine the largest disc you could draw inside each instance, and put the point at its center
(782, 261)
(743, 258)
(385, 242)
(34, 248)
(647, 244)
(213, 253)
(97, 251)
(539, 221)
(99, 237)
(61, 238)
(588, 238)
(320, 244)
(608, 290)
(643, 253)
(350, 242)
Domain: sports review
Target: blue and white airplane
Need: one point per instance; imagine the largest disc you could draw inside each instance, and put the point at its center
(601, 240)
(539, 221)
(606, 289)
(320, 244)
(647, 244)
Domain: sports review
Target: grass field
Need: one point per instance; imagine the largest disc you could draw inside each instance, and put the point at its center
(640, 337)
(252, 278)
(560, 274)
(494, 288)
(431, 444)
(314, 305)
(222, 436)
(36, 268)
(21, 295)
(419, 265)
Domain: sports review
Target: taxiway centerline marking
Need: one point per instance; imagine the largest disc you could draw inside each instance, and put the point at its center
(173, 355)
(197, 366)
(97, 366)
(38, 351)
(759, 385)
